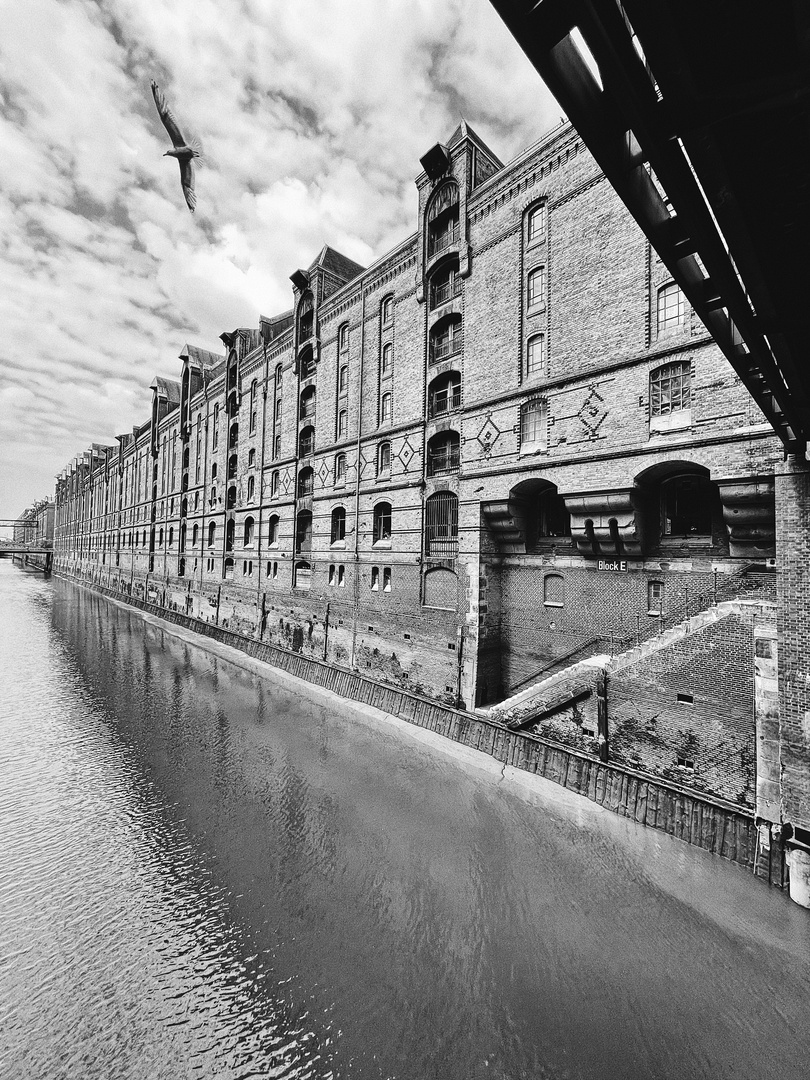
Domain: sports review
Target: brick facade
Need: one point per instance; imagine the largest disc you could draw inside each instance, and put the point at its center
(495, 408)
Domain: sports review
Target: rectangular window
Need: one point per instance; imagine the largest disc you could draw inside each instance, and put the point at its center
(655, 597)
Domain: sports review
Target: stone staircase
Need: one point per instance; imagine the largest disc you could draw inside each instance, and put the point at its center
(562, 688)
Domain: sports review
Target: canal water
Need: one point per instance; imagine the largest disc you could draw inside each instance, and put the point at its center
(205, 872)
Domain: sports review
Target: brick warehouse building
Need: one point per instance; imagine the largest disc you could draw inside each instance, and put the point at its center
(505, 448)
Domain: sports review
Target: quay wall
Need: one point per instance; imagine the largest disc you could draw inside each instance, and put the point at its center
(713, 824)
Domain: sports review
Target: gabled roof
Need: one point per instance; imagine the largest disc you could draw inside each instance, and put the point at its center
(201, 358)
(166, 388)
(340, 266)
(464, 131)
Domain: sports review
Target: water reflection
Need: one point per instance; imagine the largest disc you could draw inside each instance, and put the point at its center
(209, 875)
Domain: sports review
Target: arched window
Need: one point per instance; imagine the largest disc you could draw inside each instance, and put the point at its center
(160, 537)
(248, 534)
(441, 525)
(537, 287)
(443, 453)
(308, 364)
(386, 408)
(253, 387)
(536, 355)
(306, 442)
(444, 394)
(446, 338)
(343, 382)
(306, 482)
(553, 590)
(338, 534)
(536, 224)
(228, 569)
(230, 498)
(343, 337)
(251, 458)
(387, 359)
(278, 377)
(343, 424)
(307, 410)
(275, 483)
(442, 215)
(670, 388)
(382, 523)
(387, 310)
(214, 471)
(671, 307)
(303, 532)
(215, 428)
(212, 533)
(272, 531)
(234, 435)
(230, 534)
(533, 425)
(233, 464)
(251, 488)
(171, 536)
(384, 459)
(194, 534)
(305, 318)
(340, 469)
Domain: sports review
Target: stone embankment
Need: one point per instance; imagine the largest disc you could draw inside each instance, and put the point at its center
(719, 827)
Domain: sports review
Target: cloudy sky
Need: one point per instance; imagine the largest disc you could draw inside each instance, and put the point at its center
(313, 115)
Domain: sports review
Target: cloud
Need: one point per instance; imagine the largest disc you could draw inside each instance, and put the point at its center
(313, 116)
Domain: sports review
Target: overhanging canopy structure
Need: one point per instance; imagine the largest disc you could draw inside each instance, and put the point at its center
(698, 113)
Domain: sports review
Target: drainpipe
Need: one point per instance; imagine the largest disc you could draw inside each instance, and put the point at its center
(261, 493)
(356, 585)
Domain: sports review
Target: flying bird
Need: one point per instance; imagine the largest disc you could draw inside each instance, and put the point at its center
(184, 150)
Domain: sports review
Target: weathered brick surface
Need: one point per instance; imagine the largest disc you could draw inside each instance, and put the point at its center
(793, 537)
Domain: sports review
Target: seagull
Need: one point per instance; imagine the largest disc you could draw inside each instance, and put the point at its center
(184, 151)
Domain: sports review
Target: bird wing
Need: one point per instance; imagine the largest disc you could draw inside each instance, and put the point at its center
(187, 181)
(165, 114)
